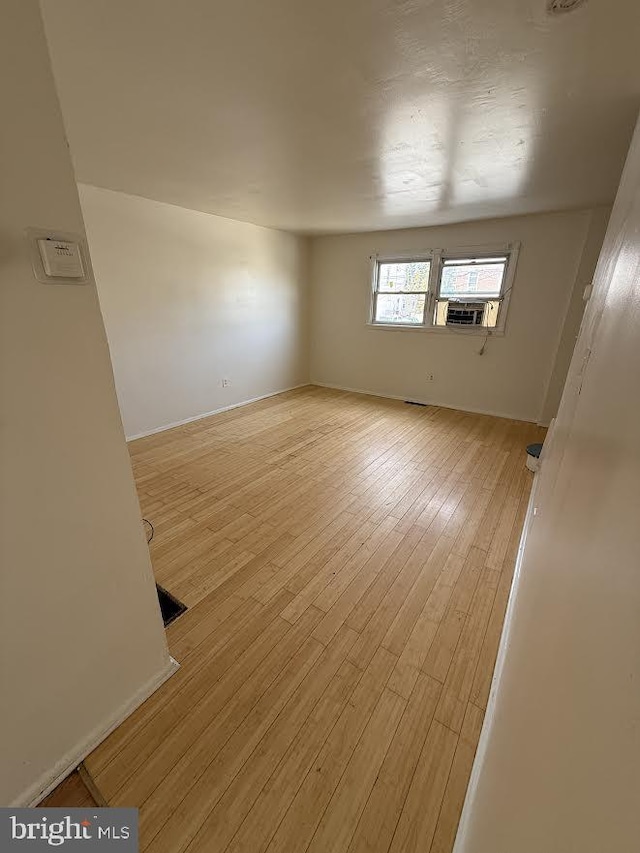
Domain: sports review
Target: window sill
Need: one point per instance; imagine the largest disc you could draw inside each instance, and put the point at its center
(438, 330)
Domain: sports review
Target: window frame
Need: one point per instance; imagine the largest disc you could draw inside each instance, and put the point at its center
(423, 257)
(436, 257)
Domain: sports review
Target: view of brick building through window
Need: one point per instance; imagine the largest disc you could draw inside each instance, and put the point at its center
(402, 290)
(476, 280)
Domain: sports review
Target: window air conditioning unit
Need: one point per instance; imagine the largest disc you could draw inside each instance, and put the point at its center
(465, 313)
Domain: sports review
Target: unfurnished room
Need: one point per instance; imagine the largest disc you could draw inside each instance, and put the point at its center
(320, 415)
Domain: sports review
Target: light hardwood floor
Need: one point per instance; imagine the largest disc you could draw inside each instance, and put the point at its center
(72, 793)
(346, 561)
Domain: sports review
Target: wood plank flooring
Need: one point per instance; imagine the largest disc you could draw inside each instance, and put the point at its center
(347, 562)
(72, 793)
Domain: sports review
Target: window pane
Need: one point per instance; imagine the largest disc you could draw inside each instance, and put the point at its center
(408, 275)
(399, 308)
(472, 280)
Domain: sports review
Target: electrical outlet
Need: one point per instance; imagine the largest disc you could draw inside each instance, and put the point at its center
(226, 383)
(430, 377)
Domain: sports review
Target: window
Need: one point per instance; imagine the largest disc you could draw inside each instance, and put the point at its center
(401, 292)
(443, 289)
(470, 290)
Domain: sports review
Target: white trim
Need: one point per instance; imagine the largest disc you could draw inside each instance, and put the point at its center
(487, 250)
(437, 257)
(480, 249)
(376, 260)
(51, 778)
(483, 741)
(427, 255)
(482, 331)
(215, 412)
(434, 403)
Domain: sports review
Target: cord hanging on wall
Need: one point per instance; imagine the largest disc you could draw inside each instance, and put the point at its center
(484, 343)
(150, 529)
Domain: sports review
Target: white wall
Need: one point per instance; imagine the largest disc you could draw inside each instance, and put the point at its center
(512, 376)
(593, 244)
(80, 628)
(190, 299)
(558, 768)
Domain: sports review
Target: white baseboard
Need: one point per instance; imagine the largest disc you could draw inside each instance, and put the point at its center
(425, 402)
(215, 412)
(51, 778)
(489, 716)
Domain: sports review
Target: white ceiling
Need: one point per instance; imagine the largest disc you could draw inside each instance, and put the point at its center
(344, 115)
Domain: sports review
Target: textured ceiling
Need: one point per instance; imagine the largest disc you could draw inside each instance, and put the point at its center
(345, 115)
